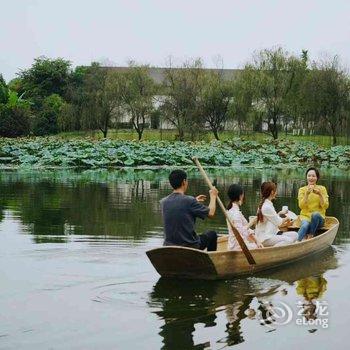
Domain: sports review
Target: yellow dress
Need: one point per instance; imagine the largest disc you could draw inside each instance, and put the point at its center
(312, 287)
(313, 203)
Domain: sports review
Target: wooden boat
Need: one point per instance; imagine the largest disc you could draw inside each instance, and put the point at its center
(175, 261)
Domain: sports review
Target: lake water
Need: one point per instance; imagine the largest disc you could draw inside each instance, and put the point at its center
(74, 274)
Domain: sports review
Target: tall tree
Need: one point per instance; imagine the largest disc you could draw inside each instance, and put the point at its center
(100, 98)
(71, 117)
(216, 95)
(274, 74)
(45, 77)
(137, 91)
(181, 92)
(326, 92)
(295, 111)
(241, 106)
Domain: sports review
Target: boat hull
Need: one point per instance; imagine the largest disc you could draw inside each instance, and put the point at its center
(175, 261)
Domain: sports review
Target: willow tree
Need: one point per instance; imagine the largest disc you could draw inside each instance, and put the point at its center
(216, 96)
(242, 109)
(137, 92)
(326, 92)
(181, 103)
(100, 97)
(273, 74)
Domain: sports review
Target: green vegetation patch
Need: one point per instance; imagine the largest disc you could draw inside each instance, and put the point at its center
(87, 153)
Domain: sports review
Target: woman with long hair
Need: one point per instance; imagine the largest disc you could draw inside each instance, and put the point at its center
(313, 202)
(236, 196)
(267, 228)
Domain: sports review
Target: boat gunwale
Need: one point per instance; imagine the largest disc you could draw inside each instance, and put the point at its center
(264, 249)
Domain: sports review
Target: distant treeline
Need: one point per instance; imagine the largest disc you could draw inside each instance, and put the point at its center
(276, 91)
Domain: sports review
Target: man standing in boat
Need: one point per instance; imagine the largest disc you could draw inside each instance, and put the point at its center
(180, 211)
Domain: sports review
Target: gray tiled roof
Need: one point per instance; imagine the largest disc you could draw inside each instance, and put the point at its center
(157, 73)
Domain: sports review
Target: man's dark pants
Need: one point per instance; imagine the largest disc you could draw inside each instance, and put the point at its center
(208, 240)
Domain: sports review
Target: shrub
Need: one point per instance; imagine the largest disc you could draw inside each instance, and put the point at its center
(14, 121)
(46, 122)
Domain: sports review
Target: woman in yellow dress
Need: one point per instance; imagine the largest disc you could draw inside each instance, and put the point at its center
(313, 202)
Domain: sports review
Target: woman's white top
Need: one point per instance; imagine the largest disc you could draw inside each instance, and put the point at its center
(269, 227)
(240, 223)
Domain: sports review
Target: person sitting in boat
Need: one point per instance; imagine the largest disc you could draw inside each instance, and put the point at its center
(180, 211)
(268, 226)
(236, 195)
(313, 202)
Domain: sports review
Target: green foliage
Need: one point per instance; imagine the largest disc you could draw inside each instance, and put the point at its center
(137, 90)
(14, 116)
(241, 105)
(216, 97)
(46, 122)
(326, 96)
(46, 77)
(15, 85)
(277, 90)
(272, 79)
(48, 152)
(3, 90)
(99, 99)
(181, 92)
(74, 114)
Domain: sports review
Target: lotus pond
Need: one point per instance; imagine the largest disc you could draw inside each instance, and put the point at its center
(74, 274)
(88, 153)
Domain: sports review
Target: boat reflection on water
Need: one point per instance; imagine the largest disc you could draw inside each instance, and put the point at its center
(183, 304)
(186, 304)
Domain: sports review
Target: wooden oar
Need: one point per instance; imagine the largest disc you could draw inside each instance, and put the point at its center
(239, 238)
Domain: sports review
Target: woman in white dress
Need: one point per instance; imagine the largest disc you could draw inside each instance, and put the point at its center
(267, 229)
(236, 195)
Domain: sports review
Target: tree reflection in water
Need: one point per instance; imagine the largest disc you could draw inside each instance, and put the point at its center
(184, 303)
(125, 203)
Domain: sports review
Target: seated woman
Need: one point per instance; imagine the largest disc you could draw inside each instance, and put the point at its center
(313, 202)
(267, 228)
(236, 195)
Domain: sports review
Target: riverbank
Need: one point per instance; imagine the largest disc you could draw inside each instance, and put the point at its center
(48, 152)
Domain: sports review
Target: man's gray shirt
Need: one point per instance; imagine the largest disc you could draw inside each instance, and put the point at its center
(179, 217)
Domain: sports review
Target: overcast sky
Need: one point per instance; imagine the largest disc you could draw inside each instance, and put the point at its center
(148, 31)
